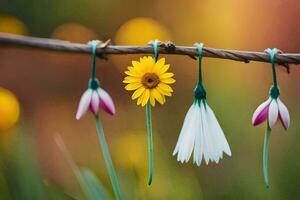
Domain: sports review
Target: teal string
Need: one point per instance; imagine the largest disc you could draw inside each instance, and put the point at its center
(150, 142)
(155, 49)
(200, 50)
(107, 159)
(272, 54)
(199, 92)
(265, 155)
(94, 44)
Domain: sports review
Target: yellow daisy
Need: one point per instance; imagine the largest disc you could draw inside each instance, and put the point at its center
(150, 80)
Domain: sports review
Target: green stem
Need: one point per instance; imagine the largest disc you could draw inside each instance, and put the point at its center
(200, 49)
(150, 143)
(272, 53)
(94, 44)
(265, 156)
(274, 74)
(155, 51)
(107, 159)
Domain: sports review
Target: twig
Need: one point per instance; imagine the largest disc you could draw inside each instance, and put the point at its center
(164, 48)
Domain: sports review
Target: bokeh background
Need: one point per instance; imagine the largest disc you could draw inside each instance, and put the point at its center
(40, 91)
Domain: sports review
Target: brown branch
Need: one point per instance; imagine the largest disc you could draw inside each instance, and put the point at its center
(164, 48)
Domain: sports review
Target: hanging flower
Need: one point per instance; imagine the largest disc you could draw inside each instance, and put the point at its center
(272, 110)
(201, 133)
(91, 99)
(94, 97)
(150, 80)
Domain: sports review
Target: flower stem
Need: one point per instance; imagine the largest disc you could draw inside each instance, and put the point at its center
(200, 49)
(94, 44)
(265, 156)
(107, 159)
(150, 142)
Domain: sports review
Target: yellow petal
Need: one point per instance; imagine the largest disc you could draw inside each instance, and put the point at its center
(165, 87)
(132, 73)
(130, 79)
(138, 93)
(135, 64)
(145, 97)
(164, 99)
(158, 65)
(139, 101)
(166, 75)
(164, 92)
(148, 64)
(168, 80)
(133, 86)
(161, 62)
(152, 100)
(157, 96)
(163, 69)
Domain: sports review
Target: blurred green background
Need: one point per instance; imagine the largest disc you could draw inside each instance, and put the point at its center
(48, 85)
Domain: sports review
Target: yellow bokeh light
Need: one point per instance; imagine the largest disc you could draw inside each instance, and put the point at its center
(134, 146)
(139, 31)
(10, 24)
(74, 33)
(9, 109)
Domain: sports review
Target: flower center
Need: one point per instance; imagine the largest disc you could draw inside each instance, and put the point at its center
(150, 80)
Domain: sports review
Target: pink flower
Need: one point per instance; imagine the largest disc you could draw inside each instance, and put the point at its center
(272, 109)
(92, 99)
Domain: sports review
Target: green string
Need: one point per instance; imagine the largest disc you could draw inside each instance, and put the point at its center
(149, 122)
(200, 50)
(94, 44)
(107, 159)
(199, 92)
(155, 49)
(150, 142)
(272, 54)
(265, 155)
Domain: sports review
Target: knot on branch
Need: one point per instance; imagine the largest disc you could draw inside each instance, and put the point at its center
(169, 46)
(102, 46)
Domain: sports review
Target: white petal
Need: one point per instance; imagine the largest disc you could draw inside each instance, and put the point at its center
(273, 113)
(95, 102)
(198, 149)
(186, 139)
(284, 114)
(207, 142)
(84, 103)
(222, 143)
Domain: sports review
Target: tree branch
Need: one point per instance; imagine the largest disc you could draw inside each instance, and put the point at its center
(165, 48)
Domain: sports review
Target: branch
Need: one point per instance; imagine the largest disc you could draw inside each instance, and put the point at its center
(165, 48)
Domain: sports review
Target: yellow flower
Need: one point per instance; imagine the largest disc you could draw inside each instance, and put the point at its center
(149, 80)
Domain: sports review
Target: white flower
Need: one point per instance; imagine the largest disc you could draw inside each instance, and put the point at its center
(202, 134)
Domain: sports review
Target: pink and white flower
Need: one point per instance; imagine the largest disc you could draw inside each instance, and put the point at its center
(92, 99)
(272, 110)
